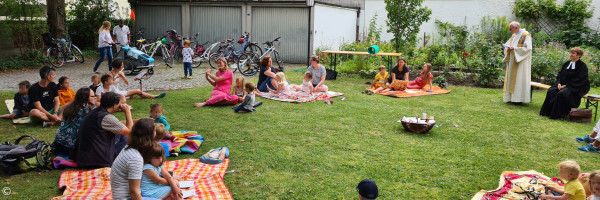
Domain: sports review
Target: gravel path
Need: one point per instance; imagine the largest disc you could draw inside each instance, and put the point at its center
(164, 78)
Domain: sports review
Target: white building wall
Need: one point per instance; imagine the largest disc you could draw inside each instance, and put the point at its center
(468, 12)
(333, 26)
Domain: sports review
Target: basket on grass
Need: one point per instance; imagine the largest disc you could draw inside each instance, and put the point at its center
(417, 125)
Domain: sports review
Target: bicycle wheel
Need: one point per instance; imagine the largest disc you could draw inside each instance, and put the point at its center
(212, 59)
(127, 67)
(277, 60)
(249, 64)
(178, 55)
(77, 55)
(253, 48)
(55, 57)
(233, 62)
(167, 58)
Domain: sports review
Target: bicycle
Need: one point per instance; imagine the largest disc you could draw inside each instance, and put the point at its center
(229, 55)
(176, 46)
(61, 51)
(253, 67)
(246, 46)
(158, 45)
(201, 54)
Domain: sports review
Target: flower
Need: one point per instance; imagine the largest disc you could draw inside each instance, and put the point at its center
(465, 54)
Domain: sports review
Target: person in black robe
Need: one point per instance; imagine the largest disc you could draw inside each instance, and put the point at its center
(571, 85)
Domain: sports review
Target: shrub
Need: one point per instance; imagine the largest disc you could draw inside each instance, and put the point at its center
(29, 58)
(86, 17)
(547, 61)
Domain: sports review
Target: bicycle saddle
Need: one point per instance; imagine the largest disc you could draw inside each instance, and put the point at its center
(141, 41)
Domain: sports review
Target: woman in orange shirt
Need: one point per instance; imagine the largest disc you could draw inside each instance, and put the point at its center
(65, 93)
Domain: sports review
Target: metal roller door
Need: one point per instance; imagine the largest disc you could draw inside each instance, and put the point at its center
(156, 20)
(291, 24)
(215, 24)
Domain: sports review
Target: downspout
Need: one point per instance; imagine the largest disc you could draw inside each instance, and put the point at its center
(357, 24)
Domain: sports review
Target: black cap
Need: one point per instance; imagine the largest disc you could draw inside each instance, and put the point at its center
(368, 189)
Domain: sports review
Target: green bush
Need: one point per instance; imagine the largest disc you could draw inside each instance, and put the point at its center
(547, 61)
(30, 58)
(85, 18)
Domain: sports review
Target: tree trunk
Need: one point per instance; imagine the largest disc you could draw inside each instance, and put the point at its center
(56, 18)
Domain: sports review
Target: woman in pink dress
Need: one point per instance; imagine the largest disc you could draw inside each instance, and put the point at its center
(221, 94)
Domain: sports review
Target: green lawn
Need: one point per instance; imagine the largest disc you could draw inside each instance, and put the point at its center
(319, 151)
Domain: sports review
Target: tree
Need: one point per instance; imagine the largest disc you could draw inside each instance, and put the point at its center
(86, 17)
(57, 18)
(404, 21)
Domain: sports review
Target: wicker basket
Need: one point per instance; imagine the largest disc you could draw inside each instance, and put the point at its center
(418, 128)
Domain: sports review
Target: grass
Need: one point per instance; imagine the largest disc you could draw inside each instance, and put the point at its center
(319, 151)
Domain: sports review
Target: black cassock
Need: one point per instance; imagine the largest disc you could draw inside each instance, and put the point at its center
(558, 103)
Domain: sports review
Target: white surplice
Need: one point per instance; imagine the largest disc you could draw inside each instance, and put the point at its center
(517, 81)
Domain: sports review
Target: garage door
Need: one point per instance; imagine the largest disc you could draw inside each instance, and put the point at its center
(216, 23)
(156, 20)
(291, 24)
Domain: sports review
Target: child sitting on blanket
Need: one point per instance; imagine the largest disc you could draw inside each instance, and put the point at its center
(306, 88)
(65, 92)
(153, 184)
(95, 83)
(282, 89)
(239, 89)
(156, 113)
(248, 104)
(380, 80)
(107, 86)
(21, 100)
(594, 182)
(568, 170)
(161, 133)
(421, 81)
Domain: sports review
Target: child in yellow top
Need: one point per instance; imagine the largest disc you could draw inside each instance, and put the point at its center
(568, 170)
(380, 79)
(65, 92)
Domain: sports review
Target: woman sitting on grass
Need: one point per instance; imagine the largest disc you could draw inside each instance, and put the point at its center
(73, 115)
(425, 78)
(221, 94)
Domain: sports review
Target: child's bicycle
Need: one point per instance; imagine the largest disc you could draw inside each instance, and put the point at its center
(61, 51)
(201, 54)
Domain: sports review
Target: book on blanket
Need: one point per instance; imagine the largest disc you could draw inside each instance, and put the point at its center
(186, 184)
(188, 193)
(595, 96)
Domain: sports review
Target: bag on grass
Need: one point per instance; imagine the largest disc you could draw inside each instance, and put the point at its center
(18, 158)
(580, 115)
(331, 74)
(215, 156)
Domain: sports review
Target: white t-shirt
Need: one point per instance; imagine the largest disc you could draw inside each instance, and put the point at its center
(100, 91)
(104, 37)
(187, 55)
(121, 34)
(128, 165)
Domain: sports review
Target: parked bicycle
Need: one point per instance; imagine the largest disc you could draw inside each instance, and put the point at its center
(227, 52)
(201, 54)
(249, 64)
(61, 51)
(153, 47)
(176, 46)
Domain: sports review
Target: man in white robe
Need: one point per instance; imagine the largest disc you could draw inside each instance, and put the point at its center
(517, 53)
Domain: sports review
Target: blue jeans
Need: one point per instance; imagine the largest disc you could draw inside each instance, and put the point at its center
(239, 108)
(103, 52)
(187, 67)
(264, 85)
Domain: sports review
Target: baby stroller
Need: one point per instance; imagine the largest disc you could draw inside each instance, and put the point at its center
(135, 60)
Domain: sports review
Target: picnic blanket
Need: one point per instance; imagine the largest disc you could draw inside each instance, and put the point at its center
(413, 92)
(519, 185)
(303, 99)
(95, 184)
(10, 104)
(184, 142)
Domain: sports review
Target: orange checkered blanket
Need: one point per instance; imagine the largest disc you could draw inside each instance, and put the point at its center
(414, 92)
(95, 184)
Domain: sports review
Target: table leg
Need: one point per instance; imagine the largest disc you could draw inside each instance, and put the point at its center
(335, 62)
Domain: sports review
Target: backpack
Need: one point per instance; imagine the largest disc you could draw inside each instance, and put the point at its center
(331, 74)
(15, 158)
